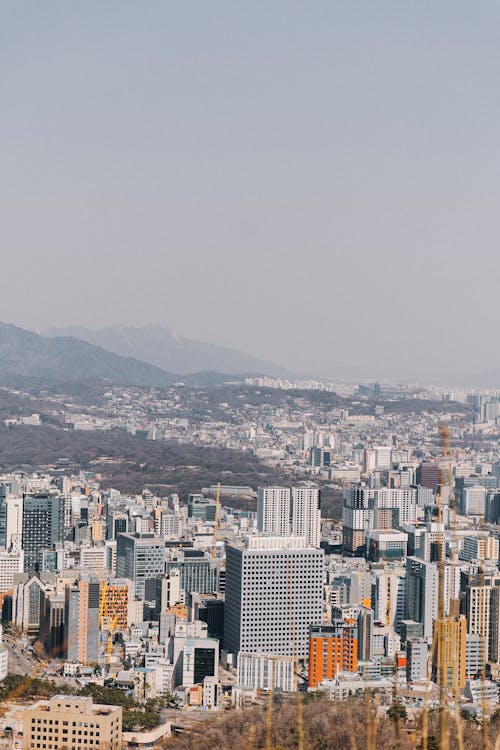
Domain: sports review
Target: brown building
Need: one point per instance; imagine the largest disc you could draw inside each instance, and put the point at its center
(68, 722)
(448, 652)
(117, 604)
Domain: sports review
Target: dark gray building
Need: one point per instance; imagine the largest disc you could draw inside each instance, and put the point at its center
(81, 620)
(43, 527)
(139, 557)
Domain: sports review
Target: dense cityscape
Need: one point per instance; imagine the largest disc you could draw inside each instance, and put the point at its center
(249, 375)
(169, 606)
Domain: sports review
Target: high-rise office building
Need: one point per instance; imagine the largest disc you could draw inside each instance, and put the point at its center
(81, 620)
(117, 523)
(474, 501)
(11, 518)
(421, 593)
(43, 527)
(139, 557)
(357, 518)
(428, 475)
(200, 659)
(52, 623)
(273, 593)
(198, 574)
(201, 508)
(14, 523)
(417, 651)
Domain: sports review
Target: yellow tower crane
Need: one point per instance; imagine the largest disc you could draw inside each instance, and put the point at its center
(109, 649)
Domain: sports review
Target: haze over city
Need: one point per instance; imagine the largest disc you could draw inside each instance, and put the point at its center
(314, 185)
(249, 375)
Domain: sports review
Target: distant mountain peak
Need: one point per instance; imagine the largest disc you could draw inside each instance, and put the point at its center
(159, 345)
(28, 354)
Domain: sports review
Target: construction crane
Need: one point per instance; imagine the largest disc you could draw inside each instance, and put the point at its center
(104, 624)
(109, 648)
(216, 521)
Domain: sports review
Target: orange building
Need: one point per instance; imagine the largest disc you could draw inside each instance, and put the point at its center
(332, 648)
(117, 599)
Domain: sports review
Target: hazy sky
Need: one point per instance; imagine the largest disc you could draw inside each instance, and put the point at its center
(313, 182)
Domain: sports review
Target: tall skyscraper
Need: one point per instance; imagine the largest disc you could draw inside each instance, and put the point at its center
(14, 523)
(274, 592)
(139, 557)
(449, 652)
(81, 620)
(357, 517)
(421, 593)
(11, 516)
(273, 510)
(43, 526)
(306, 514)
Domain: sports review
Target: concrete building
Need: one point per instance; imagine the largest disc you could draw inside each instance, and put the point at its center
(484, 547)
(273, 510)
(70, 722)
(43, 527)
(474, 501)
(94, 558)
(200, 659)
(81, 620)
(139, 557)
(449, 652)
(332, 648)
(475, 650)
(417, 651)
(274, 592)
(421, 593)
(386, 545)
(306, 514)
(265, 672)
(10, 563)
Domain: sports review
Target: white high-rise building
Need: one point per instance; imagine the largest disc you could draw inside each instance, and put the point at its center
(10, 563)
(474, 501)
(14, 522)
(306, 514)
(402, 499)
(266, 672)
(273, 510)
(274, 591)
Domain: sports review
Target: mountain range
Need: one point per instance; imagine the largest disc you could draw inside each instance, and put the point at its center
(26, 355)
(159, 346)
